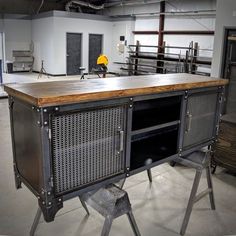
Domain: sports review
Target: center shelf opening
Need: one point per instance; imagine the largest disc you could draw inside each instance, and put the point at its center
(154, 112)
(153, 147)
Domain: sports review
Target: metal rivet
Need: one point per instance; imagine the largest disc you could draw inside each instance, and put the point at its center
(38, 197)
(131, 99)
(59, 200)
(118, 152)
(38, 122)
(49, 193)
(127, 175)
(49, 203)
(43, 202)
(33, 108)
(130, 106)
(45, 122)
(38, 110)
(42, 192)
(56, 108)
(45, 110)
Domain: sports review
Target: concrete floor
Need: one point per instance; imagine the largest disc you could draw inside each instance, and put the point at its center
(158, 208)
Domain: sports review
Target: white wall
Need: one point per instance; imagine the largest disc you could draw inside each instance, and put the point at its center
(120, 28)
(1, 44)
(145, 24)
(74, 25)
(17, 35)
(225, 17)
(43, 40)
(151, 22)
(49, 37)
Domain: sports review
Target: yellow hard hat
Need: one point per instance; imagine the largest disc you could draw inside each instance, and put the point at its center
(102, 59)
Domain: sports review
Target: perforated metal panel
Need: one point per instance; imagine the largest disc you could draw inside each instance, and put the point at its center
(86, 147)
(202, 108)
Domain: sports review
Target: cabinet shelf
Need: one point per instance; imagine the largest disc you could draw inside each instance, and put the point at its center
(154, 128)
(154, 148)
(150, 114)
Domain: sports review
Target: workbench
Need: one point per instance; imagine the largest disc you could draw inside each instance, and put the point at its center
(70, 137)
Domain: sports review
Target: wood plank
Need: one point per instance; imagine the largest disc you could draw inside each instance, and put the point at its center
(66, 92)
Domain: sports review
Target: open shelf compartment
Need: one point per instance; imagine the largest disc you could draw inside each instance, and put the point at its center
(157, 145)
(155, 112)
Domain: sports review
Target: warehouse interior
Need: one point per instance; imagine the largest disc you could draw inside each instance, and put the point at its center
(61, 41)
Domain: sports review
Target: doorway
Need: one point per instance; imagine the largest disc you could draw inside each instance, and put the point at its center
(73, 53)
(95, 49)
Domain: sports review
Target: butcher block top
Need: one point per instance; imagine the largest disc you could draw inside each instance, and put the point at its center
(66, 92)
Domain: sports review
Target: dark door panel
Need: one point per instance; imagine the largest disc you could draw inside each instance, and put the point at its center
(74, 41)
(95, 49)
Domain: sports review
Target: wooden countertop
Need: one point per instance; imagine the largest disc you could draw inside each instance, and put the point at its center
(65, 92)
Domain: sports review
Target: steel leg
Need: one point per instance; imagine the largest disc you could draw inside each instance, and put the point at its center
(213, 164)
(191, 201)
(133, 223)
(107, 226)
(121, 183)
(172, 163)
(36, 222)
(84, 205)
(149, 172)
(210, 186)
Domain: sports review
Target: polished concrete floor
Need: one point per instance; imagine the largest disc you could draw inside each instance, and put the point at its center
(158, 208)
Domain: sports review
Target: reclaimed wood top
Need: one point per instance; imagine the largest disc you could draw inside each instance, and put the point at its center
(66, 92)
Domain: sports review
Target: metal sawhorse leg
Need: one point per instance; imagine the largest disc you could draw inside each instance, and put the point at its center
(199, 160)
(39, 213)
(36, 222)
(149, 173)
(111, 202)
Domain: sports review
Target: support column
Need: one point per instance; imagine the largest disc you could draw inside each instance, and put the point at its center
(161, 37)
(136, 58)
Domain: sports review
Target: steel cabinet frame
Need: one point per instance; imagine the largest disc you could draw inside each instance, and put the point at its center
(32, 134)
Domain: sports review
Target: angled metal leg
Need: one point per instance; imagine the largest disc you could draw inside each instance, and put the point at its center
(133, 223)
(191, 201)
(210, 186)
(121, 183)
(36, 222)
(84, 205)
(107, 226)
(149, 172)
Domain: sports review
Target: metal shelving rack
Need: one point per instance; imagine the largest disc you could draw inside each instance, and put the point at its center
(143, 61)
(23, 60)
